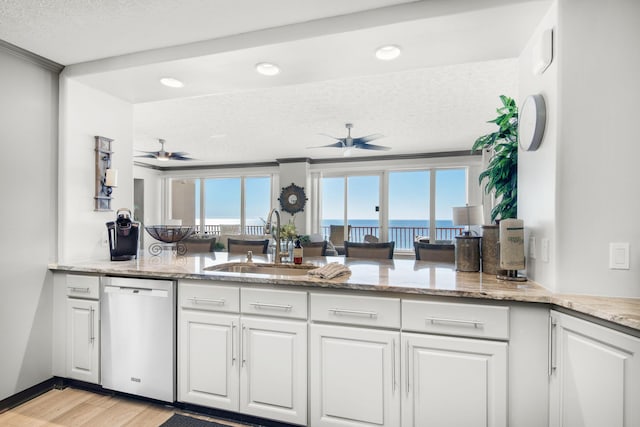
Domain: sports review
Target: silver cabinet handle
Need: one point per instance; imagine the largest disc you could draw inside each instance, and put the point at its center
(338, 311)
(76, 289)
(207, 301)
(91, 325)
(407, 365)
(475, 323)
(243, 340)
(393, 369)
(233, 342)
(552, 345)
(286, 307)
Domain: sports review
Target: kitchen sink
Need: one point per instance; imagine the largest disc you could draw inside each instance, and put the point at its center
(269, 269)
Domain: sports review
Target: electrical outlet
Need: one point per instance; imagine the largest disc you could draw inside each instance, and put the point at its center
(544, 249)
(532, 247)
(619, 256)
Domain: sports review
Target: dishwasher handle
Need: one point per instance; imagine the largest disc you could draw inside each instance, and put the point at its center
(125, 290)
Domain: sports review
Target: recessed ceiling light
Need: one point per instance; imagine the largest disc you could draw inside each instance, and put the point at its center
(171, 82)
(388, 53)
(267, 69)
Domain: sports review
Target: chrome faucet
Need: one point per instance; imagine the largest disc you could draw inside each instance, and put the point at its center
(268, 229)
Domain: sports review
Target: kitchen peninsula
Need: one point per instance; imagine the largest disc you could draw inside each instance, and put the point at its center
(398, 275)
(395, 342)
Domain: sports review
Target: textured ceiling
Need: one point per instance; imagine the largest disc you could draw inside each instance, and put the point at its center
(428, 110)
(458, 57)
(72, 31)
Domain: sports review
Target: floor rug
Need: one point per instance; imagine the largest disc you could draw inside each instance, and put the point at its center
(178, 420)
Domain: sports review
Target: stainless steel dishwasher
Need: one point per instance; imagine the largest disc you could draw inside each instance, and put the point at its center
(138, 318)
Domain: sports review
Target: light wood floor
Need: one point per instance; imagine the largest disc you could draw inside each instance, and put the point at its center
(74, 407)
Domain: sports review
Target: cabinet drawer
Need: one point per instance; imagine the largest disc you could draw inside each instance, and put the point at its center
(468, 320)
(87, 287)
(204, 296)
(356, 310)
(269, 302)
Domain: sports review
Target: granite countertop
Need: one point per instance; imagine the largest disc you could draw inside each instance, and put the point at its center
(398, 275)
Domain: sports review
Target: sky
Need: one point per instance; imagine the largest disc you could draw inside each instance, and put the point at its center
(408, 196)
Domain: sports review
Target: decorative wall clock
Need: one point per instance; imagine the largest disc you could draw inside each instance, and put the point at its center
(531, 122)
(292, 199)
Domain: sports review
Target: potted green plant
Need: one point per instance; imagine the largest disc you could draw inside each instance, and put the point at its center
(501, 174)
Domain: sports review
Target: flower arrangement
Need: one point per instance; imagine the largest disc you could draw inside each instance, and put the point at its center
(288, 231)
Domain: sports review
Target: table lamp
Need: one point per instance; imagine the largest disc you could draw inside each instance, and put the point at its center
(467, 246)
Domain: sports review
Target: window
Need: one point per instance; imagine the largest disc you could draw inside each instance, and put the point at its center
(409, 202)
(238, 204)
(361, 213)
(417, 204)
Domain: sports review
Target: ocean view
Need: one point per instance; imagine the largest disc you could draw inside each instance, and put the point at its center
(440, 223)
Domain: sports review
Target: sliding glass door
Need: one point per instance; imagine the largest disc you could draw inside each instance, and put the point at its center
(350, 208)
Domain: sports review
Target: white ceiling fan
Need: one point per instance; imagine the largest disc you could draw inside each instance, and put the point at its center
(348, 143)
(163, 155)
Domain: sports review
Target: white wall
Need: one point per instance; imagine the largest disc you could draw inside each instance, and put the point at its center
(580, 189)
(85, 113)
(28, 135)
(598, 150)
(298, 174)
(152, 199)
(537, 170)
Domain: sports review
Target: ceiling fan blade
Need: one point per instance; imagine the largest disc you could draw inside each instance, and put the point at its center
(149, 156)
(364, 139)
(180, 157)
(178, 153)
(331, 136)
(366, 146)
(338, 144)
(155, 153)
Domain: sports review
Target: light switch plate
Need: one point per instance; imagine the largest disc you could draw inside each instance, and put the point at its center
(619, 256)
(532, 247)
(544, 249)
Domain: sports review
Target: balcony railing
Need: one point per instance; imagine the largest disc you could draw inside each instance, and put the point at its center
(403, 236)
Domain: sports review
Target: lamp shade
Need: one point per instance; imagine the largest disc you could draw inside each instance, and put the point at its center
(467, 215)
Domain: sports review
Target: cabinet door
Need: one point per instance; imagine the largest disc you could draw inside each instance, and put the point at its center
(273, 374)
(595, 378)
(83, 351)
(354, 374)
(208, 366)
(449, 381)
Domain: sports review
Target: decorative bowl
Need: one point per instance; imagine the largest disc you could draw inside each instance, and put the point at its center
(169, 233)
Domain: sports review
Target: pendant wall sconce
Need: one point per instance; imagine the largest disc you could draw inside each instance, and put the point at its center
(106, 177)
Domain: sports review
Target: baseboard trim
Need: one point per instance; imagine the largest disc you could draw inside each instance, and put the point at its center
(30, 393)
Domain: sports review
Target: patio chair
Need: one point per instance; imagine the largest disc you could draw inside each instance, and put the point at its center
(315, 248)
(435, 252)
(370, 238)
(198, 244)
(336, 237)
(239, 246)
(369, 250)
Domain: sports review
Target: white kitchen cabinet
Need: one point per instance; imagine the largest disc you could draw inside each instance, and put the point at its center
(354, 374)
(595, 375)
(83, 351)
(254, 364)
(452, 381)
(208, 365)
(273, 373)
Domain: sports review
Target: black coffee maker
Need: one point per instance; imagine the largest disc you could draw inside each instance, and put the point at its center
(123, 236)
